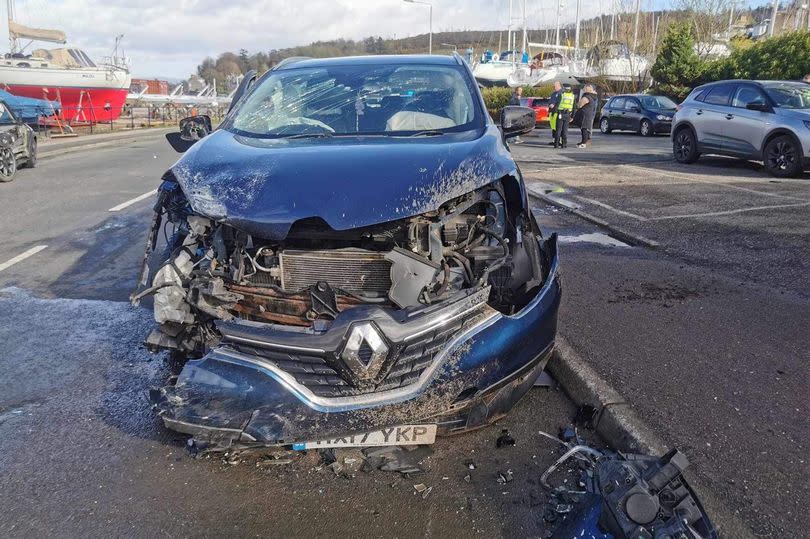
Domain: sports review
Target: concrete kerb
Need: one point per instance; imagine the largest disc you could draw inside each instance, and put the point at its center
(623, 430)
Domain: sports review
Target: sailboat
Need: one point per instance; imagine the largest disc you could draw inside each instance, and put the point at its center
(612, 60)
(88, 91)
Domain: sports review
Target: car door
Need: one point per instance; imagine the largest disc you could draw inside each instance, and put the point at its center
(745, 129)
(617, 113)
(632, 114)
(710, 120)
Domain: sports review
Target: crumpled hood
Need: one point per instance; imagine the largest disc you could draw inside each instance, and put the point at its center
(263, 186)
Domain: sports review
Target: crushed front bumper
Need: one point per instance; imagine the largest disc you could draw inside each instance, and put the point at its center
(459, 366)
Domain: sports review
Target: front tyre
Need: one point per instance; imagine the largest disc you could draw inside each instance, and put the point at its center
(31, 162)
(604, 126)
(684, 147)
(782, 157)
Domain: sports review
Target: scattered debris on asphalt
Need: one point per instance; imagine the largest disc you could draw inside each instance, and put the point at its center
(505, 439)
(505, 477)
(423, 489)
(586, 416)
(544, 380)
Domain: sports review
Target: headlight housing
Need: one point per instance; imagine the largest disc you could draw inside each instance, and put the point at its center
(662, 117)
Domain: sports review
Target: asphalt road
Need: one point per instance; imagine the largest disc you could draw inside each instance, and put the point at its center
(707, 336)
(81, 453)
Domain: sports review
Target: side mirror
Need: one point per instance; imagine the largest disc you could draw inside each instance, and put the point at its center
(761, 106)
(192, 129)
(517, 121)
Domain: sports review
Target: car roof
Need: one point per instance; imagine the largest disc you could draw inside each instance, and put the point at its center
(392, 59)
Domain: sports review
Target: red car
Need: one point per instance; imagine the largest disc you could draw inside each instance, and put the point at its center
(540, 106)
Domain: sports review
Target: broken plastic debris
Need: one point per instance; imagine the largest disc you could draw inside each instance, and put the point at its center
(505, 439)
(586, 416)
(544, 380)
(506, 477)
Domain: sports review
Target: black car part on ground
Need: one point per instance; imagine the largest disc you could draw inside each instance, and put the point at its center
(627, 496)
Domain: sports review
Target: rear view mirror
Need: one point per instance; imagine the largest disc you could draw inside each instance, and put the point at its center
(761, 106)
(517, 121)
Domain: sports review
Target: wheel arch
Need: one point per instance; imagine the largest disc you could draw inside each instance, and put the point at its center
(778, 132)
(684, 125)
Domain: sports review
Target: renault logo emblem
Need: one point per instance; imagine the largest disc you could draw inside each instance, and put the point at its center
(365, 351)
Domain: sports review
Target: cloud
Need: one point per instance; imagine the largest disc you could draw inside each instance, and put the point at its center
(171, 38)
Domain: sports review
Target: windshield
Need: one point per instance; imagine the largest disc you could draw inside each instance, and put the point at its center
(790, 95)
(657, 102)
(358, 99)
(6, 117)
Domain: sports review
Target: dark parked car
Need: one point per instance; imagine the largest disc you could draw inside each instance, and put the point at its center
(18, 144)
(353, 254)
(644, 114)
(762, 120)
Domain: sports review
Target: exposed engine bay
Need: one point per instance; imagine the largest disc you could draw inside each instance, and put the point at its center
(213, 272)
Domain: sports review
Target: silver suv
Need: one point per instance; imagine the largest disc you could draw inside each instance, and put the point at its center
(761, 120)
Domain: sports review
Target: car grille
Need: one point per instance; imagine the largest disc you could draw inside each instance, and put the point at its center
(322, 376)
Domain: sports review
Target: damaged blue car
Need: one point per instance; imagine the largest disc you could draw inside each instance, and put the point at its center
(351, 255)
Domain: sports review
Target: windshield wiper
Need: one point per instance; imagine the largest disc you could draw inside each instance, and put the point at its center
(324, 134)
(425, 133)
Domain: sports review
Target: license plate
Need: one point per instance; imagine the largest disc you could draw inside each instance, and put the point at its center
(401, 435)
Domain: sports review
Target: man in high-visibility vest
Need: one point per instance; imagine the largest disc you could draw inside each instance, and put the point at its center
(553, 103)
(564, 116)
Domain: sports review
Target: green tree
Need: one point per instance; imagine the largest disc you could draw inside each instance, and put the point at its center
(677, 67)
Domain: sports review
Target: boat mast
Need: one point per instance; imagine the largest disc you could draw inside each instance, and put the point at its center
(12, 41)
(525, 32)
(612, 19)
(557, 39)
(509, 29)
(576, 35)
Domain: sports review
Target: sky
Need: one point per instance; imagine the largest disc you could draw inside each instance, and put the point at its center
(168, 39)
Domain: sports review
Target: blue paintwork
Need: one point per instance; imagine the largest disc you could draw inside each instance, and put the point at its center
(263, 186)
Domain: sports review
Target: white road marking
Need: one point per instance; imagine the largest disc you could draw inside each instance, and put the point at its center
(692, 178)
(611, 208)
(729, 212)
(20, 257)
(594, 237)
(133, 201)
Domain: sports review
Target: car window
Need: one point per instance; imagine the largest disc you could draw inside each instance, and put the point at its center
(631, 103)
(657, 102)
(746, 94)
(617, 103)
(790, 95)
(358, 99)
(719, 95)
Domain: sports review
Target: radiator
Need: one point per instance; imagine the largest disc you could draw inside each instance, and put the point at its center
(352, 270)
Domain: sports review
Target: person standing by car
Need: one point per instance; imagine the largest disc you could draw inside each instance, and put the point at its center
(587, 104)
(517, 93)
(553, 104)
(564, 117)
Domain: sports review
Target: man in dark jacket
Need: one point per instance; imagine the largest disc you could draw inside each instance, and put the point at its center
(587, 106)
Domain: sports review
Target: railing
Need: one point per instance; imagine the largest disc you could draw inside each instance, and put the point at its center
(94, 119)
